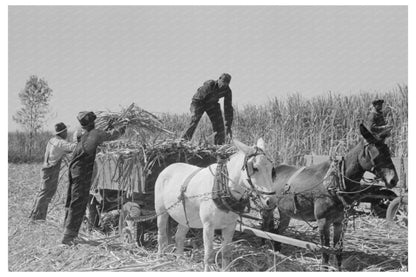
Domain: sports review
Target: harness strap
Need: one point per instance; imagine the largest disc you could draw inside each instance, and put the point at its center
(184, 186)
(287, 188)
(334, 179)
(221, 194)
(289, 182)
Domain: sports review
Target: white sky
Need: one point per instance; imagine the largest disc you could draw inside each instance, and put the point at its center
(96, 60)
(104, 57)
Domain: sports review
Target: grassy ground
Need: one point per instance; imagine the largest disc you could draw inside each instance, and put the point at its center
(373, 245)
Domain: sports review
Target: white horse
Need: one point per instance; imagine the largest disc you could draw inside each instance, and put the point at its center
(250, 172)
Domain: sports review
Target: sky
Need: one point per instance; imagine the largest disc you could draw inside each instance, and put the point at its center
(106, 57)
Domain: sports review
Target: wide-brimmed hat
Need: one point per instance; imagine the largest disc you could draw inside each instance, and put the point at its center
(378, 101)
(86, 118)
(59, 128)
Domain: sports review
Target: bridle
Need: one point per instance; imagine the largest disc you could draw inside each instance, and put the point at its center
(375, 165)
(379, 161)
(249, 169)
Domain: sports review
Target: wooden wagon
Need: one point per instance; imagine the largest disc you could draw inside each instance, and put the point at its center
(126, 178)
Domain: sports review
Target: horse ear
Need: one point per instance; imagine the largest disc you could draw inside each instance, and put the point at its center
(367, 134)
(241, 146)
(261, 144)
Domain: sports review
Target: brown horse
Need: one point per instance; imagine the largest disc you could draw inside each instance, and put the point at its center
(312, 194)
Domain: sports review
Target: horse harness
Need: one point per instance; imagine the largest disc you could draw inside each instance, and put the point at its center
(333, 181)
(221, 193)
(286, 189)
(184, 186)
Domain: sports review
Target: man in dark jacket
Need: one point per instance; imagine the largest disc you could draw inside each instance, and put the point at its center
(378, 125)
(206, 100)
(80, 173)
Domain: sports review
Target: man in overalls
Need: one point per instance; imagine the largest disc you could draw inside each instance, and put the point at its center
(80, 173)
(206, 100)
(56, 148)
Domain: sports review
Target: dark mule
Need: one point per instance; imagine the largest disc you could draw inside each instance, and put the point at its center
(311, 194)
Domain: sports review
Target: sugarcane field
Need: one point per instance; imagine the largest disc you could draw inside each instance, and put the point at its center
(154, 159)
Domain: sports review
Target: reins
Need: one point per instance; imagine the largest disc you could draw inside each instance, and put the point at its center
(341, 174)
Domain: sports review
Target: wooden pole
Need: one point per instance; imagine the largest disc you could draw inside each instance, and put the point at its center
(283, 239)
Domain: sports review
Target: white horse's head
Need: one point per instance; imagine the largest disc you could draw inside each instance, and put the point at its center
(258, 171)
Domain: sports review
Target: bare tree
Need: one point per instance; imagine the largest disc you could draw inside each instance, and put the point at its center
(35, 100)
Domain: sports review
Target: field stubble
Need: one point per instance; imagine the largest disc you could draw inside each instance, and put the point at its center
(373, 245)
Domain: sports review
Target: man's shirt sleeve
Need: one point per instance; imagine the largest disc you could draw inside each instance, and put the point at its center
(67, 146)
(228, 109)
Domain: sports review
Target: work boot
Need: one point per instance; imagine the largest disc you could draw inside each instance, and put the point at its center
(33, 219)
(37, 216)
(68, 240)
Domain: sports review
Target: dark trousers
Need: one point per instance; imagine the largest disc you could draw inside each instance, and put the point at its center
(214, 114)
(76, 204)
(49, 184)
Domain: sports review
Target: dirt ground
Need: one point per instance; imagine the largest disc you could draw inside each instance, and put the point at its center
(373, 245)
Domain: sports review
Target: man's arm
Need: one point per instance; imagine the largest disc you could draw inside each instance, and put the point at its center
(66, 146)
(110, 135)
(77, 135)
(228, 111)
(96, 137)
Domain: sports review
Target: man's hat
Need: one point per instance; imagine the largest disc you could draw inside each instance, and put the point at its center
(59, 128)
(378, 101)
(225, 77)
(86, 118)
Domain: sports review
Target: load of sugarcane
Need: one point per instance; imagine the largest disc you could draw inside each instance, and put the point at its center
(132, 117)
(124, 164)
(128, 163)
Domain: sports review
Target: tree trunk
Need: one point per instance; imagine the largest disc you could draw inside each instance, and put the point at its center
(30, 144)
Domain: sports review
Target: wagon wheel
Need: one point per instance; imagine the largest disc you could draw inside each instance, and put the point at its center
(397, 211)
(379, 206)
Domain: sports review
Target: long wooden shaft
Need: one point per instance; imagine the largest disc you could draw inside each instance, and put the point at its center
(283, 239)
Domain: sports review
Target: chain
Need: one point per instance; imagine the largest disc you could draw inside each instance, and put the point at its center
(174, 205)
(347, 208)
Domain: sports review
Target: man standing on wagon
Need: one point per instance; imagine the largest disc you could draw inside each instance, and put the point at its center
(56, 148)
(80, 173)
(206, 100)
